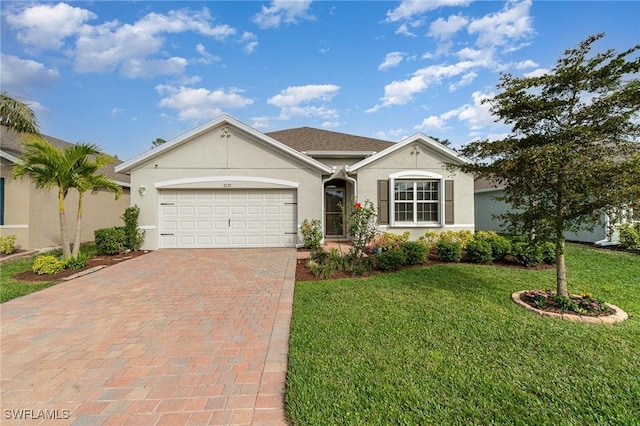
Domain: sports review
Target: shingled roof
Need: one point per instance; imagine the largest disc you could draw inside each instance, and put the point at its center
(10, 144)
(306, 139)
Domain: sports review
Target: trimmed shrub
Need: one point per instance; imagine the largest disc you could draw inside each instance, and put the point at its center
(500, 246)
(110, 240)
(630, 236)
(8, 244)
(415, 252)
(134, 236)
(527, 254)
(479, 251)
(47, 264)
(391, 260)
(450, 251)
(548, 252)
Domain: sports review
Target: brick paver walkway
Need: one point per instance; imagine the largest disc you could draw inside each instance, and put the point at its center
(172, 337)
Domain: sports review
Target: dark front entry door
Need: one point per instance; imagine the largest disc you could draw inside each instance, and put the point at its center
(333, 201)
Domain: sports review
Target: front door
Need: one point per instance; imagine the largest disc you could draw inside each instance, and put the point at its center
(334, 200)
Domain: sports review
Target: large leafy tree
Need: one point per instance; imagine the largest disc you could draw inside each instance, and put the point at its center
(16, 115)
(52, 167)
(573, 151)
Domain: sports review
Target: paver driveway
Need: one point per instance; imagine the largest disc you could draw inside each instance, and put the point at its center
(171, 337)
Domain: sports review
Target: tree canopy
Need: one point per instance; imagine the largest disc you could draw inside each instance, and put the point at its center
(573, 151)
(16, 115)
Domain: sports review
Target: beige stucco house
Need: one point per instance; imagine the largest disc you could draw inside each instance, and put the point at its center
(32, 214)
(225, 184)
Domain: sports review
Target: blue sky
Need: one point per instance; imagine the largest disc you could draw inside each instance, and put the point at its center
(121, 74)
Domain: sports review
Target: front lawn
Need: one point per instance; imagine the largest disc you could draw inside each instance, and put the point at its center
(445, 344)
(11, 288)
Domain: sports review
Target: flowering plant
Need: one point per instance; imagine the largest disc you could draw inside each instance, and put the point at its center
(311, 234)
(363, 226)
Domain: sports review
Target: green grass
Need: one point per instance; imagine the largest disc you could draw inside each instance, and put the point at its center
(446, 345)
(10, 288)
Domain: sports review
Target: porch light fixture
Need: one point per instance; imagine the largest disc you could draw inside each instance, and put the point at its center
(142, 190)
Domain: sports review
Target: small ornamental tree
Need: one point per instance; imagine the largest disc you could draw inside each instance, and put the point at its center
(573, 151)
(362, 223)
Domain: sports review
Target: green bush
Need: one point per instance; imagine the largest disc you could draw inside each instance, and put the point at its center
(110, 240)
(500, 246)
(527, 254)
(134, 236)
(8, 244)
(311, 234)
(449, 250)
(388, 241)
(630, 236)
(548, 252)
(77, 262)
(415, 252)
(479, 251)
(47, 264)
(391, 260)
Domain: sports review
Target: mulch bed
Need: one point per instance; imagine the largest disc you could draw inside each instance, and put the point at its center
(303, 273)
(551, 306)
(106, 260)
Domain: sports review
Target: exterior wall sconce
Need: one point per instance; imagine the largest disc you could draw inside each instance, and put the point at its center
(142, 190)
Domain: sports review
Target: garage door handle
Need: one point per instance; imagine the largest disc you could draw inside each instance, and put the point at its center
(165, 234)
(229, 223)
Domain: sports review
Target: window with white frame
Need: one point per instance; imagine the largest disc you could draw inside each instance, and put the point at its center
(416, 200)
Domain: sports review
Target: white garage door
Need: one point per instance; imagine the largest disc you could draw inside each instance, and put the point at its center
(228, 218)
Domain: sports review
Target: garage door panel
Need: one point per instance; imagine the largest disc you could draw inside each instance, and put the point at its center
(228, 218)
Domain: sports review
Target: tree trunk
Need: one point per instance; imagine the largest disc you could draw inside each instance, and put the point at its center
(66, 252)
(561, 268)
(78, 236)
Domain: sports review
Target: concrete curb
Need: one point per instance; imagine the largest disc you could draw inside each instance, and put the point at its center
(619, 315)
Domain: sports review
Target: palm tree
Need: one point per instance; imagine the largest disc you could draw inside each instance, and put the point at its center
(85, 179)
(17, 116)
(51, 167)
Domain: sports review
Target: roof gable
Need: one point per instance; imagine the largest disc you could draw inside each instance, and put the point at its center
(420, 138)
(127, 166)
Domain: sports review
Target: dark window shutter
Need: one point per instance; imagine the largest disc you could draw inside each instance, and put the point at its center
(383, 202)
(448, 202)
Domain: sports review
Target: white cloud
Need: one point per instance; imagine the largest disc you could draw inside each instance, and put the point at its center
(403, 29)
(45, 26)
(205, 57)
(512, 23)
(446, 28)
(392, 60)
(293, 101)
(410, 8)
(466, 80)
(262, 122)
(250, 41)
(402, 91)
(287, 11)
(331, 124)
(526, 64)
(296, 95)
(201, 103)
(430, 123)
(539, 72)
(18, 75)
(127, 47)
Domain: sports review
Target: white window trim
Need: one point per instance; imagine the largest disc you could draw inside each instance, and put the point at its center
(415, 175)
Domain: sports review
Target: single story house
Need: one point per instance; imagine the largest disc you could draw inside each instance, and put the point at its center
(225, 184)
(32, 214)
(604, 233)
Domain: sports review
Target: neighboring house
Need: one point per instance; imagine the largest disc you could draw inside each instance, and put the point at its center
(605, 233)
(225, 184)
(32, 214)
